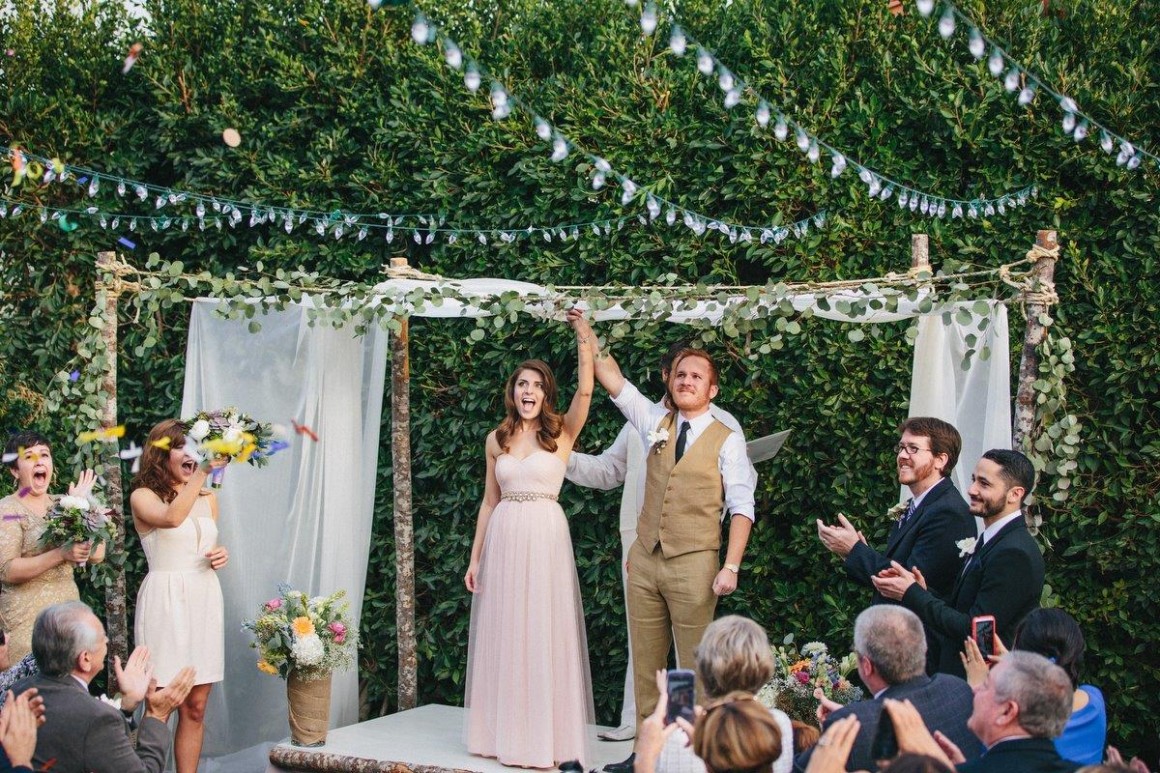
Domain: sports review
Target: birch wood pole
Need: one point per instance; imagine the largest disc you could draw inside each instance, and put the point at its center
(404, 524)
(116, 616)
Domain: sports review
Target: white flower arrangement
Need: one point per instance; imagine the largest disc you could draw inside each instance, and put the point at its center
(308, 650)
(658, 439)
(73, 503)
(966, 546)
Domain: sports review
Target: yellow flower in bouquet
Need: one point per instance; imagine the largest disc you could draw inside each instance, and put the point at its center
(303, 626)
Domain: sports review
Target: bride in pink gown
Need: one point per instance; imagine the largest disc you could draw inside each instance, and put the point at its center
(529, 691)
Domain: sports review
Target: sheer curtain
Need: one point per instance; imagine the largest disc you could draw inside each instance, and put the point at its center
(305, 518)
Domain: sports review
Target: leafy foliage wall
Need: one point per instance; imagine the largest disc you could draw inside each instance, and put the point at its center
(338, 109)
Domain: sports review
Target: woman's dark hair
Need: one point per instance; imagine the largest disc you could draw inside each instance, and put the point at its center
(20, 440)
(1055, 635)
(908, 762)
(551, 422)
(154, 473)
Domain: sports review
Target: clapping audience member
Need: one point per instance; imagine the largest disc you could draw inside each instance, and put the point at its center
(11, 673)
(18, 721)
(1023, 704)
(83, 733)
(1056, 635)
(733, 656)
(891, 649)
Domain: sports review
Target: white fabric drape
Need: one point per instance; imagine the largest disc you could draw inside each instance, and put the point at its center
(976, 400)
(305, 518)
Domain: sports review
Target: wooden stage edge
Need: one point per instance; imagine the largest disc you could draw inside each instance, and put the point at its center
(428, 739)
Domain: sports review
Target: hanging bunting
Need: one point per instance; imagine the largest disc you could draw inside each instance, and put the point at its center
(878, 185)
(1016, 78)
(504, 100)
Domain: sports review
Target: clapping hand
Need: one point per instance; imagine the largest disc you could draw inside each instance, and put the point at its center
(895, 580)
(83, 485)
(134, 679)
(18, 722)
(833, 749)
(914, 737)
(839, 539)
(161, 703)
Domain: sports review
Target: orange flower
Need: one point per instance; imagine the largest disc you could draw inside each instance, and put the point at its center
(801, 665)
(266, 668)
(302, 626)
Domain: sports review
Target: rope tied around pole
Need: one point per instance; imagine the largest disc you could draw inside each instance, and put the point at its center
(1031, 288)
(1037, 253)
(119, 269)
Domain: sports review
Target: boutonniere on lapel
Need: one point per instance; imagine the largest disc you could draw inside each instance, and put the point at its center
(658, 439)
(966, 546)
(897, 511)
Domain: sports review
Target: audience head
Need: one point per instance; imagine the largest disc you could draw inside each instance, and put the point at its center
(1025, 694)
(69, 639)
(737, 735)
(667, 358)
(805, 736)
(909, 762)
(1055, 635)
(734, 654)
(1001, 483)
(890, 644)
(943, 439)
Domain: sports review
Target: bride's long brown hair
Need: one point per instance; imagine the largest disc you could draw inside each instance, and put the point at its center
(551, 422)
(154, 473)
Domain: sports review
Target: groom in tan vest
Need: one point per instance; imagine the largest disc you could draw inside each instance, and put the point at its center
(697, 469)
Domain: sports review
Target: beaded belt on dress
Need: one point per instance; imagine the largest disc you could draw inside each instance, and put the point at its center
(527, 496)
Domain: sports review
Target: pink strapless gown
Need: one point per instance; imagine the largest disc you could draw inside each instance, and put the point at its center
(529, 690)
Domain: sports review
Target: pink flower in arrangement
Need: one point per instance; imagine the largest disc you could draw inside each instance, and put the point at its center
(339, 631)
(273, 604)
(803, 677)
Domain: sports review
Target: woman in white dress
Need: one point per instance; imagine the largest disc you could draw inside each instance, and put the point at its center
(179, 607)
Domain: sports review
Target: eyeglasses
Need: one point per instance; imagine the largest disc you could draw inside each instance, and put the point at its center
(910, 449)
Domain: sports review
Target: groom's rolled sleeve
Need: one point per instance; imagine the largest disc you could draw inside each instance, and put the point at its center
(738, 477)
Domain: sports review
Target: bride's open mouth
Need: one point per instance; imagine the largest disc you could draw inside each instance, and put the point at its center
(188, 466)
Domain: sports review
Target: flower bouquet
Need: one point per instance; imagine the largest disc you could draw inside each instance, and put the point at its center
(797, 674)
(230, 434)
(73, 520)
(303, 640)
(308, 636)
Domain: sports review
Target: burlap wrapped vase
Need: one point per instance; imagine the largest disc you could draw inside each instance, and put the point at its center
(309, 702)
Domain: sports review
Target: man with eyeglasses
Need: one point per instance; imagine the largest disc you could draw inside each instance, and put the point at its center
(935, 518)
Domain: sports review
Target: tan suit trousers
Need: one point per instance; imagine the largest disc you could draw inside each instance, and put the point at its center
(667, 597)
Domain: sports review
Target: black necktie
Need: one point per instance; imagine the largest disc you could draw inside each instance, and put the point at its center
(682, 438)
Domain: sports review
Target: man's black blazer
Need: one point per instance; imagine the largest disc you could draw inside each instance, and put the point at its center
(1022, 755)
(943, 701)
(1004, 578)
(927, 541)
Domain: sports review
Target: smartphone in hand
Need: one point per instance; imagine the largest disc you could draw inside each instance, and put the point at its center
(885, 743)
(681, 684)
(983, 632)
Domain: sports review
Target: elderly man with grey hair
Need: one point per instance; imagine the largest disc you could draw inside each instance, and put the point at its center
(81, 732)
(1024, 704)
(891, 648)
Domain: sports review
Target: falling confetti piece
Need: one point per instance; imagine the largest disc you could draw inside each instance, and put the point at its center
(24, 492)
(18, 166)
(231, 137)
(74, 376)
(133, 452)
(164, 443)
(13, 516)
(130, 60)
(10, 52)
(65, 224)
(9, 458)
(126, 243)
(302, 429)
(102, 435)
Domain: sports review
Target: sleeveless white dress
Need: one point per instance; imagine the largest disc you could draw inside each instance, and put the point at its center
(529, 691)
(179, 607)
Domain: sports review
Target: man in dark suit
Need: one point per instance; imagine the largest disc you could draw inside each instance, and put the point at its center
(1023, 705)
(1003, 575)
(891, 650)
(934, 520)
(83, 733)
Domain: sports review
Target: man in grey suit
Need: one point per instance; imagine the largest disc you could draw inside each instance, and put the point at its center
(83, 733)
(891, 649)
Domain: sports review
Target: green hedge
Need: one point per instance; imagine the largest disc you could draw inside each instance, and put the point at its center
(338, 109)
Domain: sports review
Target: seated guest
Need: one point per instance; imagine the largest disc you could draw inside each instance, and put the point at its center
(1056, 635)
(83, 733)
(733, 656)
(18, 721)
(1023, 704)
(737, 734)
(891, 649)
(804, 736)
(10, 674)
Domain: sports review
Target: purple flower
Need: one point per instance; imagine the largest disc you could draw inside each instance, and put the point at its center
(273, 604)
(803, 677)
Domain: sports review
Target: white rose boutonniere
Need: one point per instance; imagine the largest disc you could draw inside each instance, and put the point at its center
(897, 511)
(966, 546)
(658, 439)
